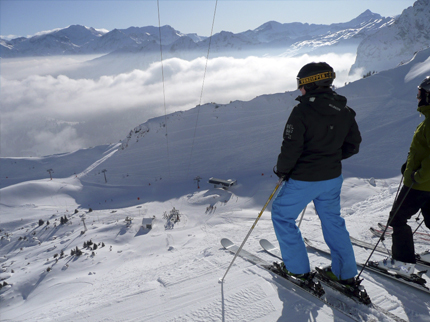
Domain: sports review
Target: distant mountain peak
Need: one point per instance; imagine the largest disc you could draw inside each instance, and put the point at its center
(369, 13)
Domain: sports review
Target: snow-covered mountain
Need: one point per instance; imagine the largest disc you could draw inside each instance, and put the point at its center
(342, 37)
(77, 39)
(396, 43)
(119, 256)
(70, 40)
(380, 42)
(137, 48)
(270, 38)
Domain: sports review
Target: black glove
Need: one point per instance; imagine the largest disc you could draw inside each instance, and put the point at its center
(403, 168)
(285, 176)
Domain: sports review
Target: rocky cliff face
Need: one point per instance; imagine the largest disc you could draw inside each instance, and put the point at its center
(395, 44)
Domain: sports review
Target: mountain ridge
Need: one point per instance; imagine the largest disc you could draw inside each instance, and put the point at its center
(77, 39)
(396, 42)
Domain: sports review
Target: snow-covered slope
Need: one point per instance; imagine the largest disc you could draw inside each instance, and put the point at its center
(140, 264)
(226, 134)
(396, 43)
(170, 274)
(220, 144)
(137, 264)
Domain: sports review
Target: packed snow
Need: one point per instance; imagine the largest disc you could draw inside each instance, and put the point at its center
(131, 231)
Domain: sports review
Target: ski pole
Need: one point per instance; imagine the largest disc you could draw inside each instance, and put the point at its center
(253, 226)
(418, 227)
(301, 217)
(390, 219)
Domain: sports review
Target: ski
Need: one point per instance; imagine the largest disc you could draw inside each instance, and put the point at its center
(378, 232)
(309, 285)
(356, 292)
(367, 245)
(389, 232)
(423, 259)
(418, 234)
(270, 248)
(415, 280)
(360, 313)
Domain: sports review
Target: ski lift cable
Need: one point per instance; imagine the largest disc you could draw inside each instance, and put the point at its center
(164, 93)
(201, 92)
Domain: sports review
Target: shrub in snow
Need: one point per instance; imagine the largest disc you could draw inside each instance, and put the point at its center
(41, 222)
(78, 252)
(64, 220)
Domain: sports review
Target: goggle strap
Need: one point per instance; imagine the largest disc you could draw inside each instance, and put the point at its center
(315, 78)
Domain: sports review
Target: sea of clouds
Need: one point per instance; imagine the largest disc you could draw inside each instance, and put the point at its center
(43, 114)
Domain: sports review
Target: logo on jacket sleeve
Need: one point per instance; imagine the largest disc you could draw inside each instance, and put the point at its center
(289, 131)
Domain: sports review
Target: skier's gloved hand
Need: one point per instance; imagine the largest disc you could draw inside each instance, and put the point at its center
(403, 168)
(285, 176)
(413, 177)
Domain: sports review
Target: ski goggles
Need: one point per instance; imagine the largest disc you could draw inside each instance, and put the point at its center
(315, 78)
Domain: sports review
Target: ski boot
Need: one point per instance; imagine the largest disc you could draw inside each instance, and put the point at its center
(351, 287)
(305, 281)
(399, 268)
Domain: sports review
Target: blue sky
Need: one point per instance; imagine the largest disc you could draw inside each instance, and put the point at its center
(26, 18)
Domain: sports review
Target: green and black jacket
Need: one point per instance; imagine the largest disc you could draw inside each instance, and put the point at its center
(419, 155)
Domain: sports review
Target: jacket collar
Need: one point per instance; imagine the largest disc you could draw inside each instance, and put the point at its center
(316, 92)
(425, 109)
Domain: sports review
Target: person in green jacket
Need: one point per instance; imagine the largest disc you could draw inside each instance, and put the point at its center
(415, 193)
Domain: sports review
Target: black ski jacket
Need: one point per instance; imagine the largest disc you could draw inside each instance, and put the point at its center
(320, 132)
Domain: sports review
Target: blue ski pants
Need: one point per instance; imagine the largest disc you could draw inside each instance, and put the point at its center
(293, 196)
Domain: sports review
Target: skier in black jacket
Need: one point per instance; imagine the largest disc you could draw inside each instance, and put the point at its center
(320, 132)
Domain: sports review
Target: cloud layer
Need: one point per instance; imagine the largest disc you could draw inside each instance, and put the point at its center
(42, 114)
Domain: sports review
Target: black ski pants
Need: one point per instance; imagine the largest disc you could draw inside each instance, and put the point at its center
(403, 241)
